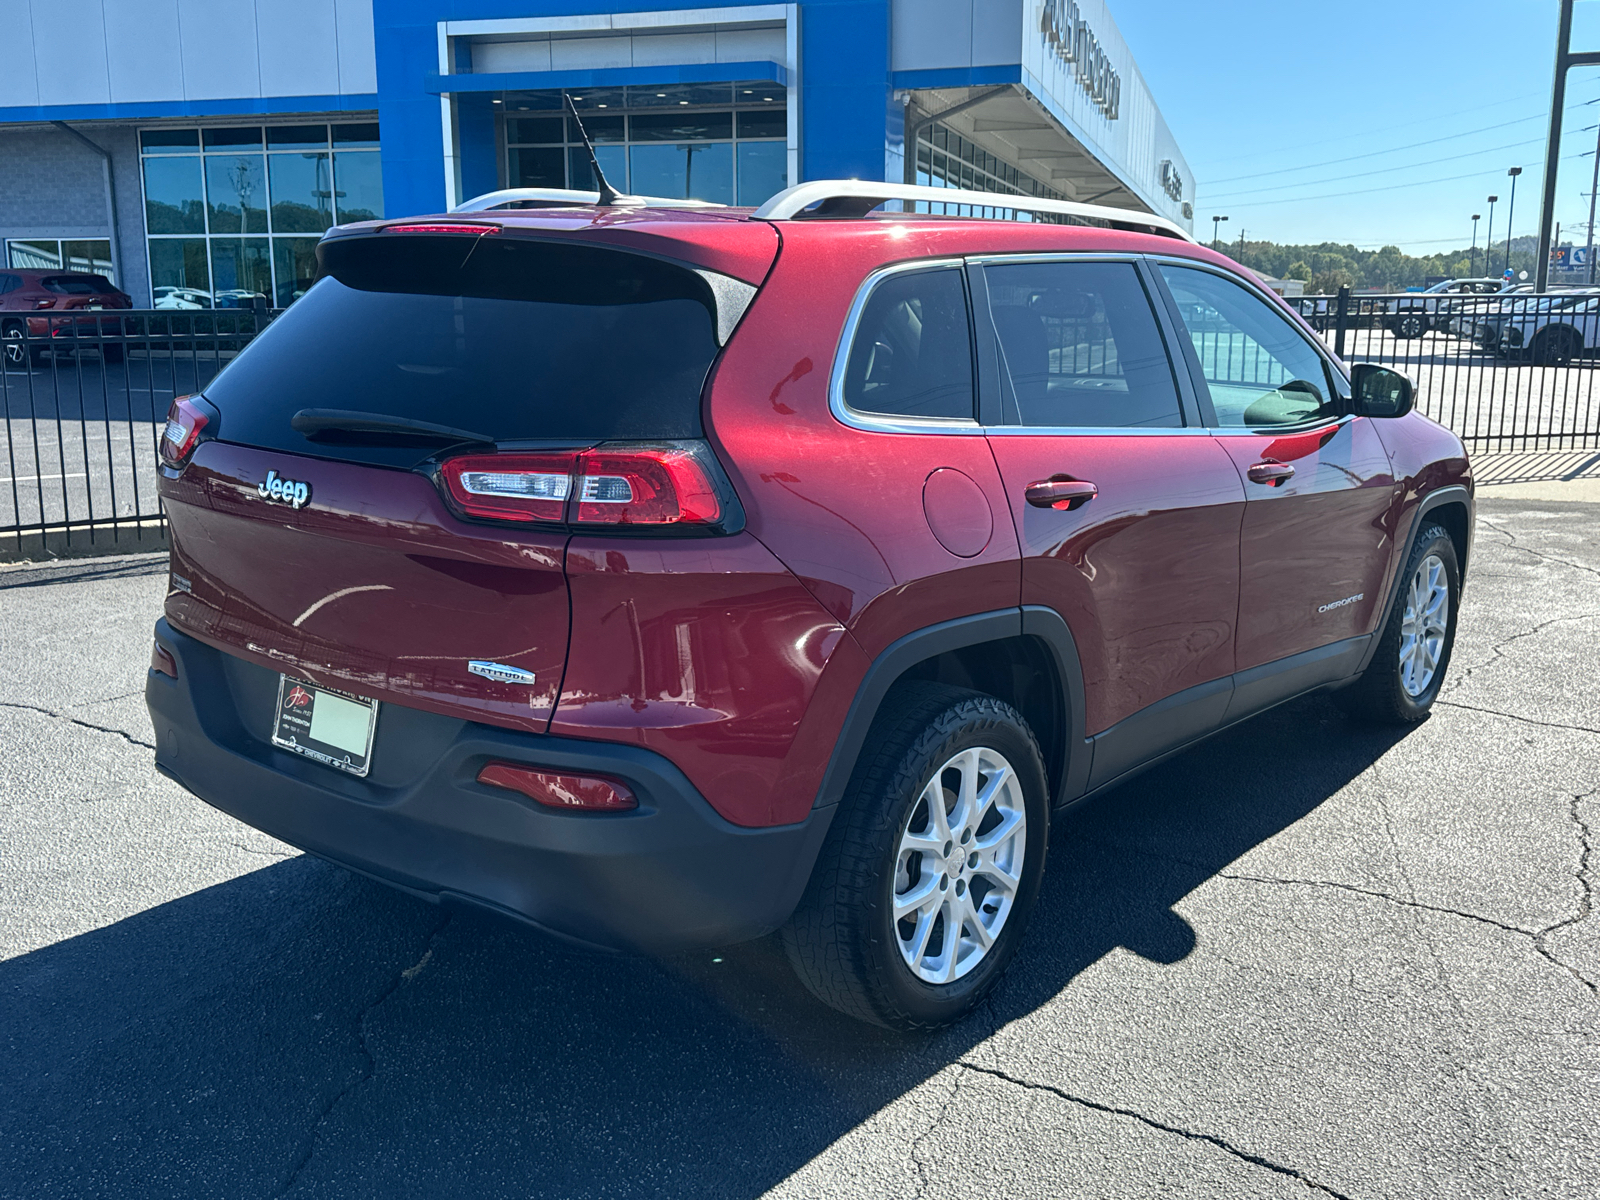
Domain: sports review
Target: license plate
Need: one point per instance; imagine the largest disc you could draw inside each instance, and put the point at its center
(334, 728)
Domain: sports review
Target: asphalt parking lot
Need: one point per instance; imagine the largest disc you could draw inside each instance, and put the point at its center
(1306, 958)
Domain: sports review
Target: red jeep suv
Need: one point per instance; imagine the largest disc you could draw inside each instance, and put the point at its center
(665, 577)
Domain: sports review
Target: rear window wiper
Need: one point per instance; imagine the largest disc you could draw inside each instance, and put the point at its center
(366, 428)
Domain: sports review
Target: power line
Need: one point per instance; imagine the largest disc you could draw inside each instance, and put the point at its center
(1379, 171)
(1345, 137)
(1369, 191)
(1376, 153)
(1396, 149)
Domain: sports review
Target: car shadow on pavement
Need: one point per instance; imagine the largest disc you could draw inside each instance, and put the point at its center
(299, 1030)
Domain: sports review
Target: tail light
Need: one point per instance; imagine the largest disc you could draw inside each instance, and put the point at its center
(511, 487)
(590, 793)
(645, 487)
(186, 418)
(672, 487)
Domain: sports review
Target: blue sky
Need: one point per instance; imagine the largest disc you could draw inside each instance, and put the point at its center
(1368, 122)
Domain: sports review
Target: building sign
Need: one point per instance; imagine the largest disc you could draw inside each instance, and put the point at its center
(1171, 181)
(1074, 43)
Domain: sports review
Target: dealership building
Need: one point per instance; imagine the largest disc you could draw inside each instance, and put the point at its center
(194, 150)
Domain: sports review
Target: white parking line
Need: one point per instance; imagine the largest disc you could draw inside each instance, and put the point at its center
(38, 478)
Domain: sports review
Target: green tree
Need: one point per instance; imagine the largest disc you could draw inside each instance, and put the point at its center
(1298, 270)
(1328, 282)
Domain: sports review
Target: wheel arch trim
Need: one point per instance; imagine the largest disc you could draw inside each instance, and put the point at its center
(1454, 493)
(1033, 621)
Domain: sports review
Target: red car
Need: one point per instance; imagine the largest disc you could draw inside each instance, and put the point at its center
(47, 294)
(664, 578)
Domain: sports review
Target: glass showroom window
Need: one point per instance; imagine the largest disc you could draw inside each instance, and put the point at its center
(655, 141)
(233, 213)
(92, 257)
(946, 159)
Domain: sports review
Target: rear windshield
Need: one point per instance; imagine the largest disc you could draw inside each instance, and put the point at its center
(515, 339)
(78, 285)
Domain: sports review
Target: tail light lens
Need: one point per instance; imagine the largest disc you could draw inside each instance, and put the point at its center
(186, 418)
(664, 486)
(673, 487)
(511, 487)
(589, 793)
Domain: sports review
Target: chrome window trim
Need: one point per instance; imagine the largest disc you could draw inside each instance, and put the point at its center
(1096, 431)
(1280, 430)
(1038, 256)
(875, 423)
(883, 422)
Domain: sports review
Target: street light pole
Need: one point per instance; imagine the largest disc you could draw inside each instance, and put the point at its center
(1472, 257)
(1488, 236)
(1511, 211)
(1216, 236)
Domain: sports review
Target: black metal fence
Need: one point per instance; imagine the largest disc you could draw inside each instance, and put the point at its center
(1506, 371)
(85, 396)
(86, 393)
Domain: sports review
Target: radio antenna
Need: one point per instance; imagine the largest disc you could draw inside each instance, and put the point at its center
(608, 194)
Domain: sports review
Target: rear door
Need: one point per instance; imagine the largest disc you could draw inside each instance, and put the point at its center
(356, 572)
(1319, 521)
(1145, 571)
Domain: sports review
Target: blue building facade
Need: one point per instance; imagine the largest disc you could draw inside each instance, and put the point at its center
(196, 149)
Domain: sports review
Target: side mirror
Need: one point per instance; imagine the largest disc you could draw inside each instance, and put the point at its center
(1379, 392)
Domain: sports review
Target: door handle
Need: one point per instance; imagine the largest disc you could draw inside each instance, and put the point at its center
(1270, 472)
(1060, 493)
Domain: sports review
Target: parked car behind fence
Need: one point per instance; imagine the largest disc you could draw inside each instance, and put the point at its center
(42, 294)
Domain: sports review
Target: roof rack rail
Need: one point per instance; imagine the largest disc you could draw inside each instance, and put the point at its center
(858, 197)
(564, 198)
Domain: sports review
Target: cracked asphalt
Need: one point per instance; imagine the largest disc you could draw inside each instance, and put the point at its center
(1308, 958)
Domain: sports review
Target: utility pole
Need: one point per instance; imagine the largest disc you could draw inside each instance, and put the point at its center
(1472, 256)
(1241, 247)
(1565, 61)
(1544, 230)
(1594, 186)
(1216, 237)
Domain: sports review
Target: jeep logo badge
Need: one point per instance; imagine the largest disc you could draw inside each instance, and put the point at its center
(292, 492)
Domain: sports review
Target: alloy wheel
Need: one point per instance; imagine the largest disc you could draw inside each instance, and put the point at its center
(1422, 631)
(959, 865)
(15, 352)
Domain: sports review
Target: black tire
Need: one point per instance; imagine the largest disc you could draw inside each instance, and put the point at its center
(1556, 346)
(1380, 693)
(1410, 325)
(842, 940)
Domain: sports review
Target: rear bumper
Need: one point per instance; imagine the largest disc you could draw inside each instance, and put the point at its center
(671, 875)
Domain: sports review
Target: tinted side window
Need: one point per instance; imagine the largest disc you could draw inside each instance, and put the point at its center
(1258, 367)
(912, 352)
(9, 283)
(1081, 347)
